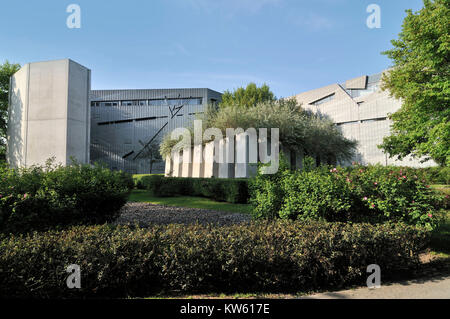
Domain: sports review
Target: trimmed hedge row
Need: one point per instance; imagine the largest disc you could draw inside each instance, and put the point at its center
(276, 256)
(226, 190)
(38, 198)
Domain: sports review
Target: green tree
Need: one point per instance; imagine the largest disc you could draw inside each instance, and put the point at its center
(249, 96)
(299, 129)
(420, 77)
(6, 70)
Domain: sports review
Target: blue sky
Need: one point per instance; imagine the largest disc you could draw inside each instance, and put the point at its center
(292, 45)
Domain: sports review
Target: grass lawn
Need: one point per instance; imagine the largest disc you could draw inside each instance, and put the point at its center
(440, 241)
(143, 196)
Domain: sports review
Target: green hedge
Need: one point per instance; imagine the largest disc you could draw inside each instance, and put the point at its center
(227, 190)
(41, 197)
(358, 193)
(137, 178)
(277, 256)
(434, 175)
(431, 175)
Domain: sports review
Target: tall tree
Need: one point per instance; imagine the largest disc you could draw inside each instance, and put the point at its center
(420, 77)
(249, 96)
(6, 70)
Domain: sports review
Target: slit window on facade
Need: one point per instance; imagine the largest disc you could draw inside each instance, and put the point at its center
(323, 100)
(108, 104)
(157, 102)
(129, 103)
(371, 88)
(346, 123)
(374, 120)
(188, 101)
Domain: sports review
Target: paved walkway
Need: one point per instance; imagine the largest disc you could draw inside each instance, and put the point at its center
(437, 288)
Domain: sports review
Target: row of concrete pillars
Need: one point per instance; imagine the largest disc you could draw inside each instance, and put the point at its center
(225, 159)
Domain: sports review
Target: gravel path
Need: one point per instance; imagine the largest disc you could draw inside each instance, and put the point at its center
(146, 214)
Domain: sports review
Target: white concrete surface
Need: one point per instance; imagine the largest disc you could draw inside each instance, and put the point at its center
(177, 164)
(226, 158)
(169, 167)
(242, 156)
(49, 114)
(198, 164)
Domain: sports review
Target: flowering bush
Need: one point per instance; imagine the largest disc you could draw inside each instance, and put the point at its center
(394, 193)
(357, 193)
(37, 198)
(316, 194)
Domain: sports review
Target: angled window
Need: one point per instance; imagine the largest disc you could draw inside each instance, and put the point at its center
(157, 102)
(108, 104)
(129, 103)
(323, 100)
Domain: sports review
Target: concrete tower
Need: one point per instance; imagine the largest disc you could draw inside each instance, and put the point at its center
(49, 114)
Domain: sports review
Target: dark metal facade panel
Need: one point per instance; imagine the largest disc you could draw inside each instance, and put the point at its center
(119, 133)
(112, 95)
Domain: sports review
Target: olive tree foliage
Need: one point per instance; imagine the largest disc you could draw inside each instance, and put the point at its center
(298, 129)
(248, 96)
(6, 70)
(420, 77)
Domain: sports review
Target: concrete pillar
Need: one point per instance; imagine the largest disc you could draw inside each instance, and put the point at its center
(177, 164)
(242, 166)
(299, 159)
(186, 170)
(226, 158)
(211, 167)
(169, 168)
(198, 163)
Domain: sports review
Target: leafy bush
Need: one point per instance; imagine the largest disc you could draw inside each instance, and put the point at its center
(229, 190)
(316, 195)
(40, 197)
(373, 193)
(137, 178)
(268, 256)
(431, 175)
(434, 175)
(266, 192)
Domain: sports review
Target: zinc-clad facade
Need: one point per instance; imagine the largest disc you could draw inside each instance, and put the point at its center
(123, 122)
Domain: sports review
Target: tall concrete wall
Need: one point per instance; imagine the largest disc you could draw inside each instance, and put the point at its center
(49, 114)
(361, 110)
